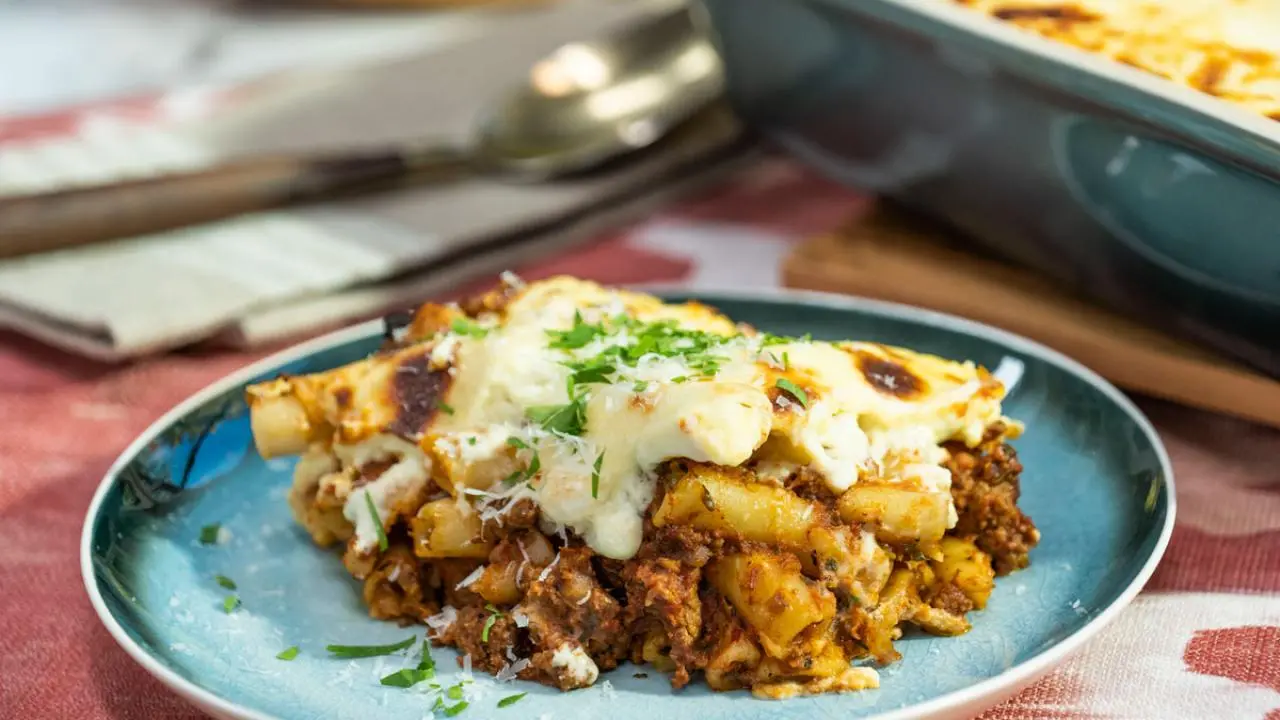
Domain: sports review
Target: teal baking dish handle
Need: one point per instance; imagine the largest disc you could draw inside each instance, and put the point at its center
(843, 60)
(1195, 217)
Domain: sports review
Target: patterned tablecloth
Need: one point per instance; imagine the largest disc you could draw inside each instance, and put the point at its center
(1203, 640)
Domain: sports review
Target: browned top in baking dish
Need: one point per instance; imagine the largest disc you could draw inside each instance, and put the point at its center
(1226, 48)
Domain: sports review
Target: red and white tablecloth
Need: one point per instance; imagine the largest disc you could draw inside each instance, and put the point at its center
(1203, 640)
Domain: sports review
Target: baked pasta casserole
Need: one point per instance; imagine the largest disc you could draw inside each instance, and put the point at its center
(1226, 48)
(559, 477)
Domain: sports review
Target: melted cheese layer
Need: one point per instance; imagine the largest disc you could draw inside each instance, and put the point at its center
(848, 412)
(851, 424)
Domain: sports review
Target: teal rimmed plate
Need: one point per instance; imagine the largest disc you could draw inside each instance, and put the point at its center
(1097, 482)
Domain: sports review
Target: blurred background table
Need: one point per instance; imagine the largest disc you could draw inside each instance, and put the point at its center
(63, 52)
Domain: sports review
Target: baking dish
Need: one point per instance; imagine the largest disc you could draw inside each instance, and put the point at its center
(1146, 195)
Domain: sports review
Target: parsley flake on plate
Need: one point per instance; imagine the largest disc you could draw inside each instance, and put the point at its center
(364, 651)
(209, 534)
(511, 700)
(288, 653)
(408, 677)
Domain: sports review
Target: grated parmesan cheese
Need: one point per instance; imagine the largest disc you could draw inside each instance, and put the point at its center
(510, 672)
(407, 476)
(442, 354)
(511, 280)
(546, 571)
(442, 620)
(468, 580)
(576, 663)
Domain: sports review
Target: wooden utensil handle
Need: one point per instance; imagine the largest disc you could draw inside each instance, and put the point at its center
(80, 216)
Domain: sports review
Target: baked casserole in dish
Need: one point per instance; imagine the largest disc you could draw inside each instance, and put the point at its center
(1129, 149)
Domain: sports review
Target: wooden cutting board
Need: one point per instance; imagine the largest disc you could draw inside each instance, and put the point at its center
(890, 255)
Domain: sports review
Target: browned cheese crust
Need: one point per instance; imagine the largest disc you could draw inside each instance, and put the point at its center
(1185, 42)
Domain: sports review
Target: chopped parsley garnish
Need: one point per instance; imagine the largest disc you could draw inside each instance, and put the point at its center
(377, 521)
(225, 581)
(767, 339)
(471, 440)
(494, 614)
(786, 360)
(230, 603)
(595, 371)
(516, 442)
(595, 475)
(680, 379)
(364, 651)
(454, 692)
(408, 677)
(454, 710)
(462, 326)
(288, 653)
(209, 534)
(445, 408)
(511, 700)
(534, 466)
(567, 419)
(794, 391)
(667, 339)
(580, 335)
(625, 342)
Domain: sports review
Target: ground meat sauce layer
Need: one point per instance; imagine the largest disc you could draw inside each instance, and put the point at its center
(611, 608)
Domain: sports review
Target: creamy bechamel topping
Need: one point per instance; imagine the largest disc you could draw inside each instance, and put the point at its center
(587, 390)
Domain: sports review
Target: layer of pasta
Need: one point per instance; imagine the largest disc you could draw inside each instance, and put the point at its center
(559, 477)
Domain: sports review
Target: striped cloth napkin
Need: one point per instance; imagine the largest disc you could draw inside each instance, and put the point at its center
(263, 277)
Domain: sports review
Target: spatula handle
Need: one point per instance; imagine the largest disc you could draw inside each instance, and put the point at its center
(80, 216)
